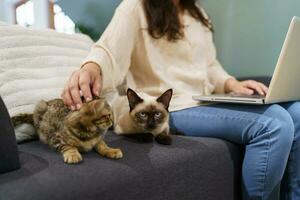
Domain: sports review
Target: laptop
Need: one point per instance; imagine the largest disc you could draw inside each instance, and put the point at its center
(285, 83)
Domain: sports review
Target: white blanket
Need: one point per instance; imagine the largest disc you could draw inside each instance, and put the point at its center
(35, 65)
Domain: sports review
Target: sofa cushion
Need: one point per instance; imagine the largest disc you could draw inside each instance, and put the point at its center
(35, 64)
(192, 168)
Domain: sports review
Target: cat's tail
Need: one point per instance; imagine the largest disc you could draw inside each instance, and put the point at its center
(26, 124)
(24, 127)
(22, 119)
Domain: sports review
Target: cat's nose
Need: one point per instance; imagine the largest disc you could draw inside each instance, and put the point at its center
(93, 129)
(151, 126)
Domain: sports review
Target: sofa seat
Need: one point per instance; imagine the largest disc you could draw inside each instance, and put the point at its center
(190, 169)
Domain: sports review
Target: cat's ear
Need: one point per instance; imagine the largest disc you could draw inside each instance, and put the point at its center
(165, 98)
(133, 99)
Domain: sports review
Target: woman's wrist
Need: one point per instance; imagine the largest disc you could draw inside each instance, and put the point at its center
(93, 67)
(229, 84)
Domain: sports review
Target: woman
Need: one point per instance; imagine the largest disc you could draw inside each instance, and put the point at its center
(160, 44)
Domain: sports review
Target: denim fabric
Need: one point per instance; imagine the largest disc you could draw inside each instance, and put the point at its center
(270, 134)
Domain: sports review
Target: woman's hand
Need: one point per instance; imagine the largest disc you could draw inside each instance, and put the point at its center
(248, 87)
(87, 80)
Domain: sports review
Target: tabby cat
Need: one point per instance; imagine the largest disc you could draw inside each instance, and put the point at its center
(71, 132)
(146, 115)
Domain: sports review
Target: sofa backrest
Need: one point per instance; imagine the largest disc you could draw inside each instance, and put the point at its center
(35, 64)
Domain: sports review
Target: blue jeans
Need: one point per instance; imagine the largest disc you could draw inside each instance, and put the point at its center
(270, 133)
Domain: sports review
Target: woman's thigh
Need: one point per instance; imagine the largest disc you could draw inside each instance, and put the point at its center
(236, 123)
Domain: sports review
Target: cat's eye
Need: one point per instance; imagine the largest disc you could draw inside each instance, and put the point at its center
(97, 122)
(102, 119)
(157, 114)
(142, 114)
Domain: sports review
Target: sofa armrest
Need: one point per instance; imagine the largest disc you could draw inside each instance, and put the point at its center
(9, 159)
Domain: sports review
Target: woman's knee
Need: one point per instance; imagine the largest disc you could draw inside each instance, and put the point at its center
(281, 126)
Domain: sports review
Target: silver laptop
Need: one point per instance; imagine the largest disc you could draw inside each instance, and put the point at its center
(285, 83)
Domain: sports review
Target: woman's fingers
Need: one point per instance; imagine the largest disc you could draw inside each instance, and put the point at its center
(96, 86)
(67, 98)
(255, 86)
(74, 89)
(84, 84)
(264, 87)
(259, 90)
(245, 91)
(249, 87)
(87, 80)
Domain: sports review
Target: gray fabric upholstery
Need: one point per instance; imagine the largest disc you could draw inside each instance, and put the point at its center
(190, 169)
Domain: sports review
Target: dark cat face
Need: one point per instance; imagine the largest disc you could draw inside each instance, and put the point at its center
(93, 117)
(150, 118)
(97, 113)
(149, 114)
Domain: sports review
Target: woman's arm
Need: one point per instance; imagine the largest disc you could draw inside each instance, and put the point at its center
(109, 59)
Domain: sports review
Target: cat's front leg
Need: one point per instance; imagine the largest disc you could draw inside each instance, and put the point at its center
(71, 154)
(164, 137)
(106, 151)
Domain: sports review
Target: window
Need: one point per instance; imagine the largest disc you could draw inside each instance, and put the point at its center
(62, 23)
(58, 20)
(25, 13)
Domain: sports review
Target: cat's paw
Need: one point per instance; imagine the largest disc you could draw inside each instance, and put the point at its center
(114, 153)
(164, 139)
(72, 157)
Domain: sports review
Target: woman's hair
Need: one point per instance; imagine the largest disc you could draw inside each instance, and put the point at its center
(163, 20)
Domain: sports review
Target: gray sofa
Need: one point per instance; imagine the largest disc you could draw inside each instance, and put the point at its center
(190, 169)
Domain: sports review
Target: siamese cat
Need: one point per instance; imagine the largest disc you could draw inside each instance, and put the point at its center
(146, 115)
